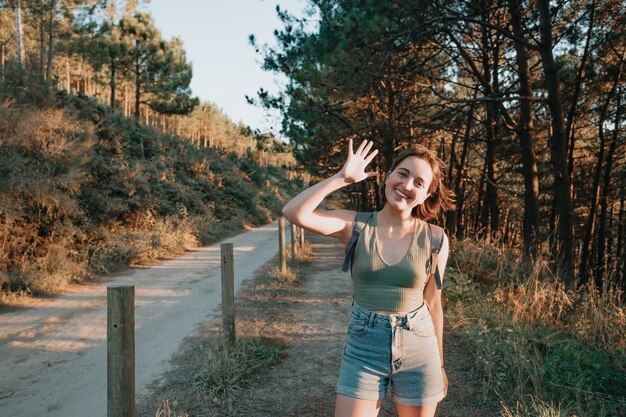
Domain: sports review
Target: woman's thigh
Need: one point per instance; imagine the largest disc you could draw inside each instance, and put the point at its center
(354, 407)
(415, 411)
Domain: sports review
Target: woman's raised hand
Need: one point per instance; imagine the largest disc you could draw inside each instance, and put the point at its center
(354, 168)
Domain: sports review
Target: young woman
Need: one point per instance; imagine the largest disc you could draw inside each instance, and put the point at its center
(396, 326)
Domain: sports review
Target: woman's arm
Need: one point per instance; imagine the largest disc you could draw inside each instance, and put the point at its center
(302, 209)
(432, 295)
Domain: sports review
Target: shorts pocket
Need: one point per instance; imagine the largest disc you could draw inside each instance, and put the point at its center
(423, 326)
(357, 326)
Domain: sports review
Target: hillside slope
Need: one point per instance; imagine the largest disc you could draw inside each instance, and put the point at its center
(84, 190)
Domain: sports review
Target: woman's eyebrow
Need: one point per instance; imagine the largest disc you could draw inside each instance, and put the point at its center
(409, 172)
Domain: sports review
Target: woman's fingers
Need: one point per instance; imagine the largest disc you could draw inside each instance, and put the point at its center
(368, 147)
(361, 147)
(371, 156)
(350, 151)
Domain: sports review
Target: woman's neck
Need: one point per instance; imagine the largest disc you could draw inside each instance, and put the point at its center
(396, 219)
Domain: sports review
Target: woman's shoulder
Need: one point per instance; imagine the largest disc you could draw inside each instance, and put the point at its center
(364, 218)
(437, 235)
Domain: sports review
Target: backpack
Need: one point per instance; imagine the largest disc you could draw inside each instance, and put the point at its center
(436, 235)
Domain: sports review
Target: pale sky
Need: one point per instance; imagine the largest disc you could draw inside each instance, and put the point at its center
(225, 65)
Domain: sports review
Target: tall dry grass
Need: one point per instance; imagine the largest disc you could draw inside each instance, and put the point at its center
(543, 349)
(535, 296)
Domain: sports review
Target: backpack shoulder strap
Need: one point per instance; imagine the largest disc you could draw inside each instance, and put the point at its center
(360, 220)
(436, 235)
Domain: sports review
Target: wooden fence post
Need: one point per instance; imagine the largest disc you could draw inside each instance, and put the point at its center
(294, 242)
(281, 244)
(228, 293)
(121, 351)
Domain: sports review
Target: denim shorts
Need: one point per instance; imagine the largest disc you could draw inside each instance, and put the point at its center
(394, 350)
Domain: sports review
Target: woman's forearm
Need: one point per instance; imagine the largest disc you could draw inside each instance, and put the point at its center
(300, 208)
(436, 312)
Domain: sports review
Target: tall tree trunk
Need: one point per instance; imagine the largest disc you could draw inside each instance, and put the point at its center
(527, 140)
(112, 83)
(2, 58)
(489, 214)
(126, 101)
(620, 273)
(68, 84)
(19, 34)
(479, 201)
(463, 223)
(53, 6)
(137, 89)
(111, 11)
(601, 271)
(595, 190)
(571, 115)
(490, 211)
(42, 38)
(562, 196)
(454, 222)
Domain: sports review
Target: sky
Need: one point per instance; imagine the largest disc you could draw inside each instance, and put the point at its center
(226, 67)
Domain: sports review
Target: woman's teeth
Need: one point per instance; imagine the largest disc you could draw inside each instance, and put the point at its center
(401, 194)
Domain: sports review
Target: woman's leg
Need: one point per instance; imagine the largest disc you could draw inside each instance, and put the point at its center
(416, 411)
(353, 407)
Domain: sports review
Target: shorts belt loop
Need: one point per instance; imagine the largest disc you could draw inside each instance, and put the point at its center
(409, 323)
(370, 320)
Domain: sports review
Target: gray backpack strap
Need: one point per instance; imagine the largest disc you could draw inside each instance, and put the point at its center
(436, 242)
(360, 220)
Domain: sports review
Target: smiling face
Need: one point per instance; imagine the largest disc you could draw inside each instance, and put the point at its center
(408, 184)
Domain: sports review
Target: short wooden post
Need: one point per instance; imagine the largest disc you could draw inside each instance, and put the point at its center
(121, 351)
(294, 242)
(228, 293)
(281, 245)
(301, 238)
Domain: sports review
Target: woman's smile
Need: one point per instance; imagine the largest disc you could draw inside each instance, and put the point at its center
(402, 194)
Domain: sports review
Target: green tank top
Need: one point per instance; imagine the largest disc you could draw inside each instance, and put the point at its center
(379, 286)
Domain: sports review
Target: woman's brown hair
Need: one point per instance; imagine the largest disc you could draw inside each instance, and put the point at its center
(441, 198)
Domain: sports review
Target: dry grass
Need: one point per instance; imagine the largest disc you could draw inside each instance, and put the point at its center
(293, 273)
(165, 411)
(543, 349)
(304, 255)
(597, 316)
(289, 276)
(536, 408)
(207, 375)
(535, 296)
(601, 316)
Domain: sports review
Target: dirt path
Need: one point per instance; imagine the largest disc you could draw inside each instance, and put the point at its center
(53, 353)
(312, 317)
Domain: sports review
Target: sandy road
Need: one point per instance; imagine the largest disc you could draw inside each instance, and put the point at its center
(53, 356)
